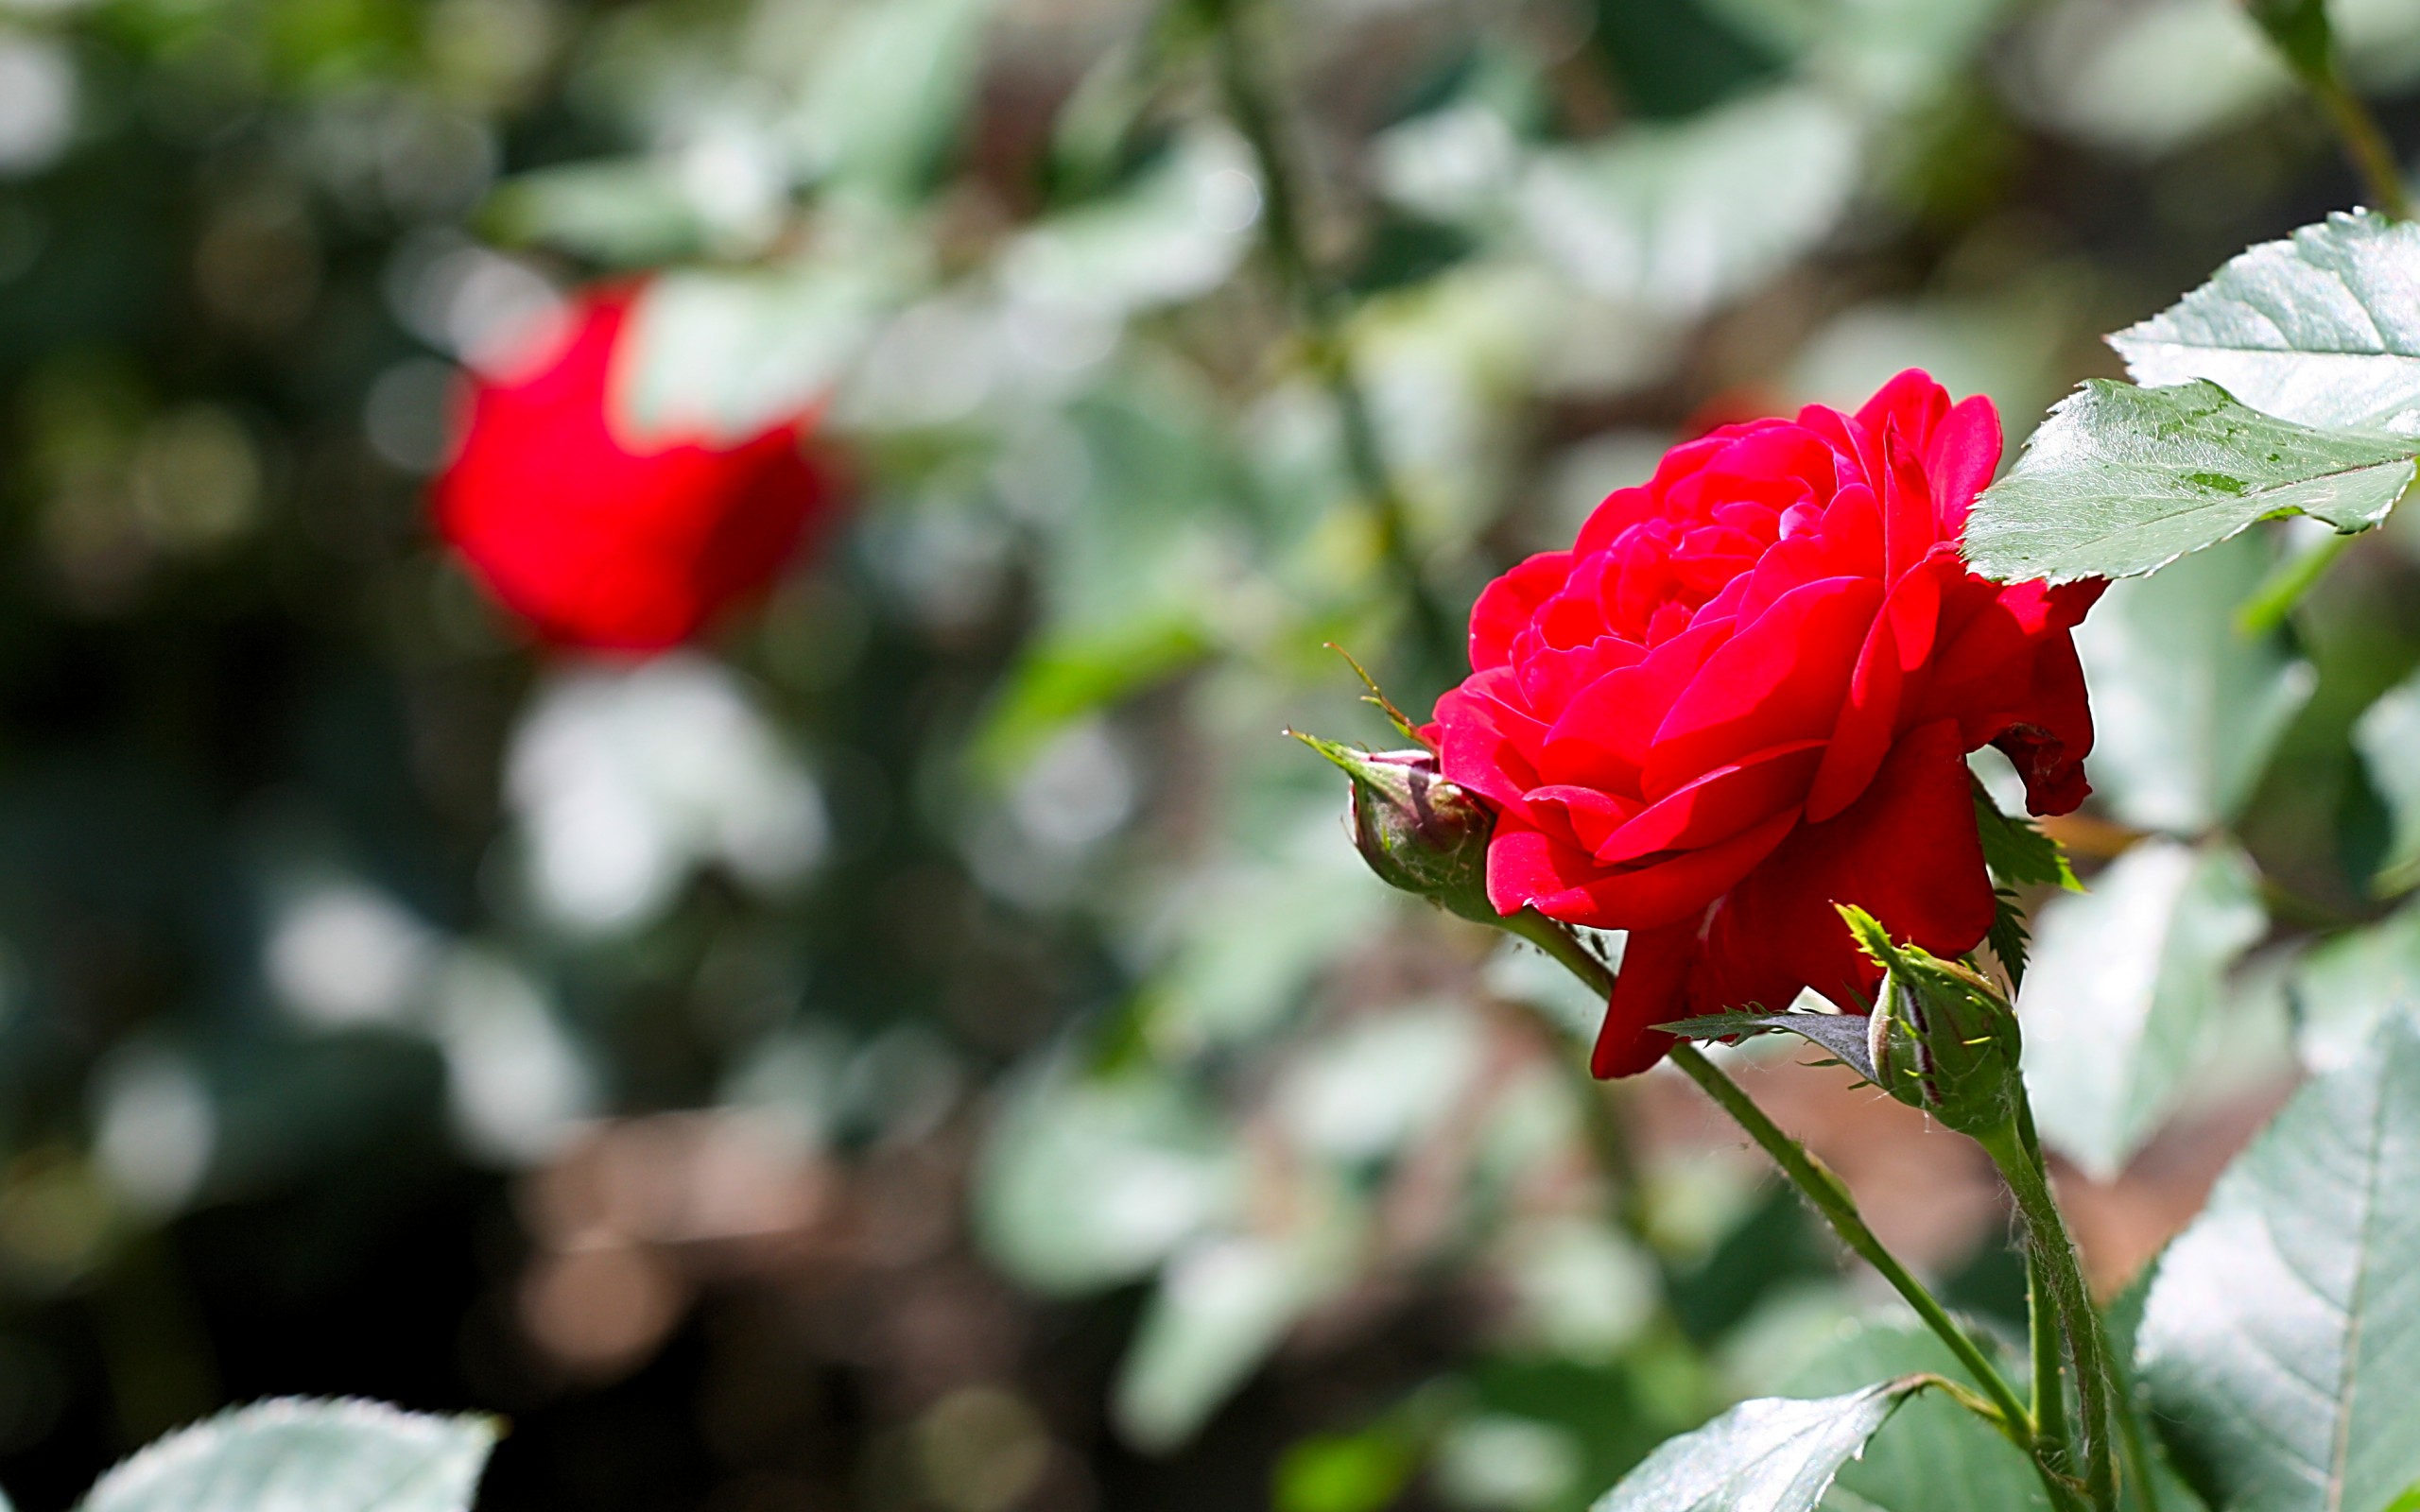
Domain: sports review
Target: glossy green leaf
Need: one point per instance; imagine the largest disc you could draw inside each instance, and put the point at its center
(2388, 737)
(2187, 708)
(2120, 481)
(2280, 1345)
(1935, 1455)
(2127, 986)
(1772, 1454)
(298, 1455)
(2321, 328)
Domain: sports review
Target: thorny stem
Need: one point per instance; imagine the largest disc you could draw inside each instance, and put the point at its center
(2052, 1256)
(1831, 1198)
(2049, 1365)
(1320, 307)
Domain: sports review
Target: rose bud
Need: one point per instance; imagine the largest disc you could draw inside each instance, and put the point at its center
(1940, 1038)
(1747, 691)
(602, 538)
(1419, 832)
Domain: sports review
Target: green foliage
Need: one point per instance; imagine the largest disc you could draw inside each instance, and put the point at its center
(2318, 327)
(1933, 1455)
(2120, 481)
(1944, 1038)
(1772, 1454)
(2187, 708)
(293, 1455)
(2347, 985)
(2388, 738)
(2282, 1332)
(2016, 850)
(2126, 990)
(1344, 1472)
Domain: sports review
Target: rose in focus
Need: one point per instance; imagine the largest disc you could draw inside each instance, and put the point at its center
(1747, 693)
(600, 539)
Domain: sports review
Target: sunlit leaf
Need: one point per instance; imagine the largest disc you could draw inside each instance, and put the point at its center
(622, 213)
(1680, 218)
(888, 92)
(1221, 1308)
(2348, 984)
(2126, 985)
(2121, 480)
(723, 355)
(2321, 328)
(1772, 1454)
(297, 1455)
(2280, 1345)
(1090, 1181)
(1935, 1455)
(2186, 708)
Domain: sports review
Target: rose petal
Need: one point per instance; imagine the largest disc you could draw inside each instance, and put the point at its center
(1907, 852)
(1650, 989)
(1778, 680)
(1718, 805)
(1641, 897)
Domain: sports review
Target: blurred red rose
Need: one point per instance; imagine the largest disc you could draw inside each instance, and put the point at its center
(1747, 693)
(600, 539)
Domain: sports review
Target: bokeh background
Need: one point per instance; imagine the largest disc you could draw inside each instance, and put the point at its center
(929, 1044)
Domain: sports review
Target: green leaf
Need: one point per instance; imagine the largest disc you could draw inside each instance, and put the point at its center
(2016, 850)
(721, 356)
(1772, 1454)
(2388, 737)
(2125, 992)
(1935, 1455)
(2299, 29)
(1344, 1472)
(1221, 1309)
(2347, 986)
(2120, 481)
(1678, 218)
(2320, 328)
(2280, 1345)
(298, 1455)
(619, 212)
(2187, 708)
(1089, 1181)
(888, 92)
(1845, 1035)
(2019, 855)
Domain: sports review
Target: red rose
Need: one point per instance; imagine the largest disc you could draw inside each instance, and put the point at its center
(1747, 693)
(599, 540)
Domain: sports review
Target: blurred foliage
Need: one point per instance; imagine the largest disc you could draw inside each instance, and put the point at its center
(931, 1046)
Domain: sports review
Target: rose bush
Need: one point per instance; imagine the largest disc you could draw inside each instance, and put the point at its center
(1747, 693)
(601, 540)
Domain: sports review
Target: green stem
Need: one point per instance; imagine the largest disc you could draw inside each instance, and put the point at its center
(1829, 1197)
(2052, 1253)
(2287, 583)
(2364, 142)
(1319, 306)
(2050, 1393)
(1832, 1199)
